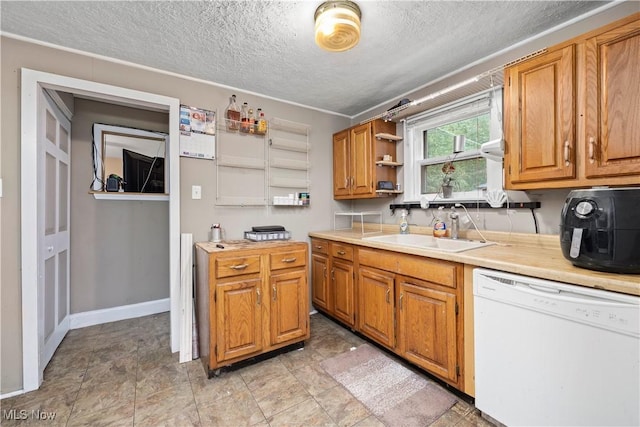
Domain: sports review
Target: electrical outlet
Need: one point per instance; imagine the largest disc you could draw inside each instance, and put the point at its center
(196, 192)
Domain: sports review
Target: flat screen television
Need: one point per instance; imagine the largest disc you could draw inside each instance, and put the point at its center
(142, 174)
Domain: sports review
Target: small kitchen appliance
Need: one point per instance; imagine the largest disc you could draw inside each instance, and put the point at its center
(600, 229)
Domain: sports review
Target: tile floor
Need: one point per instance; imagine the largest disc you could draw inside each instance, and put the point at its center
(123, 374)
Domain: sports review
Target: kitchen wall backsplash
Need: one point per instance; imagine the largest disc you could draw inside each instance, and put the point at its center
(514, 220)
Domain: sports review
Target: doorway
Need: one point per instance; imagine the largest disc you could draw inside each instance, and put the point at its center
(33, 82)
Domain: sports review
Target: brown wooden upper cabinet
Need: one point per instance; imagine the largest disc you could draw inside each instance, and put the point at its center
(359, 160)
(572, 115)
(612, 102)
(542, 127)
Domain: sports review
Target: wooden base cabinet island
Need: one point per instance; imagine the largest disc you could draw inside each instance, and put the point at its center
(251, 299)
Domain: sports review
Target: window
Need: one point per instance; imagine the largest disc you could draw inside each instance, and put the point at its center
(432, 168)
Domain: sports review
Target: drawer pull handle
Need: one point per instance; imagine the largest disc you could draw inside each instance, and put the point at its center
(318, 247)
(592, 143)
(289, 260)
(566, 153)
(387, 295)
(259, 296)
(341, 252)
(239, 266)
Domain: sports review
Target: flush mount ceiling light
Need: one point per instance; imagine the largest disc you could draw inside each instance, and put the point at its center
(337, 25)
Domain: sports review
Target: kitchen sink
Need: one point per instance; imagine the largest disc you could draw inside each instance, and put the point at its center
(429, 242)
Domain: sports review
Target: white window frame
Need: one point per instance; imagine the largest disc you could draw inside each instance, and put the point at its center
(415, 126)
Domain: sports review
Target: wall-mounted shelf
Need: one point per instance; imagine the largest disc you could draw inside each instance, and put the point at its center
(150, 197)
(391, 164)
(253, 169)
(288, 160)
(241, 168)
(389, 191)
(389, 137)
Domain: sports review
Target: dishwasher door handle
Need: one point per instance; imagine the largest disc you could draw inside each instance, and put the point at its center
(543, 288)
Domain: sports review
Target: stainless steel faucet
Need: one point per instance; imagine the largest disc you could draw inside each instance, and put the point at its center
(455, 222)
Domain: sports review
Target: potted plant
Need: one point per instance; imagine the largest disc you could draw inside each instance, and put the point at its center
(447, 180)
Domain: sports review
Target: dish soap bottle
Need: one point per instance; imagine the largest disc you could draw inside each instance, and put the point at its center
(404, 224)
(440, 227)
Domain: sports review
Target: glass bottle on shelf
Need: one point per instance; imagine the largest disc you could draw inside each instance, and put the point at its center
(233, 115)
(252, 120)
(257, 120)
(244, 118)
(261, 123)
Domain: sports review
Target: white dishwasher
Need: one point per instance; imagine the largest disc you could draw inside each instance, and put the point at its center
(552, 354)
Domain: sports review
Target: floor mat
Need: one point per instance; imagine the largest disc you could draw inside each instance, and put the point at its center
(395, 394)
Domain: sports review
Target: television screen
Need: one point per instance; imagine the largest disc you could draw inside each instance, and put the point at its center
(142, 174)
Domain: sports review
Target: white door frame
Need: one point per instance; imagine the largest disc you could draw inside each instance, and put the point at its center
(32, 82)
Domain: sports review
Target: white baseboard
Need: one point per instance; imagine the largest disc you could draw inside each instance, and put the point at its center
(11, 394)
(106, 315)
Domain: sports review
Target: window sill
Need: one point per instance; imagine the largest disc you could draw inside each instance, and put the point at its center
(150, 197)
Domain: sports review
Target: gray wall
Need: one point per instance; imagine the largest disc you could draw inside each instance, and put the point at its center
(119, 249)
(196, 215)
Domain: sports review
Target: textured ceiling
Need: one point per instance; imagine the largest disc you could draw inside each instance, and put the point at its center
(268, 47)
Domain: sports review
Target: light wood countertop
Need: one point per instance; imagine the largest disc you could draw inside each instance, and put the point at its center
(530, 255)
(231, 245)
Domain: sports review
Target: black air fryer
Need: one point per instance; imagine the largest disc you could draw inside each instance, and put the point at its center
(600, 229)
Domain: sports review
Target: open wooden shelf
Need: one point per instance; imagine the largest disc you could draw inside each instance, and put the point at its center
(388, 136)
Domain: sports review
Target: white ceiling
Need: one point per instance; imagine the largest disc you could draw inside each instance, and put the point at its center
(267, 47)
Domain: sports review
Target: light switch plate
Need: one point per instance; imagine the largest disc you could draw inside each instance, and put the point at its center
(196, 192)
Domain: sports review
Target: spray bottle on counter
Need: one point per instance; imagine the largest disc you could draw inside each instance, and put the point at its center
(404, 224)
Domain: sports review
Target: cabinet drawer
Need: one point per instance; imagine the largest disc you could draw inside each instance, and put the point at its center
(379, 259)
(236, 266)
(339, 250)
(431, 270)
(319, 246)
(287, 259)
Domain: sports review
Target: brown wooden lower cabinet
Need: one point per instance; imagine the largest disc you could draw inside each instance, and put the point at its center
(239, 319)
(333, 287)
(343, 290)
(427, 327)
(409, 304)
(251, 298)
(376, 305)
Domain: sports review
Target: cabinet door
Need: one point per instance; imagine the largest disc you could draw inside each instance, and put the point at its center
(320, 284)
(343, 291)
(341, 164)
(239, 318)
(362, 161)
(427, 328)
(540, 118)
(612, 102)
(376, 305)
(289, 311)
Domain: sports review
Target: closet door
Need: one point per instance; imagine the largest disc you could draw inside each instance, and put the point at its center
(54, 144)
